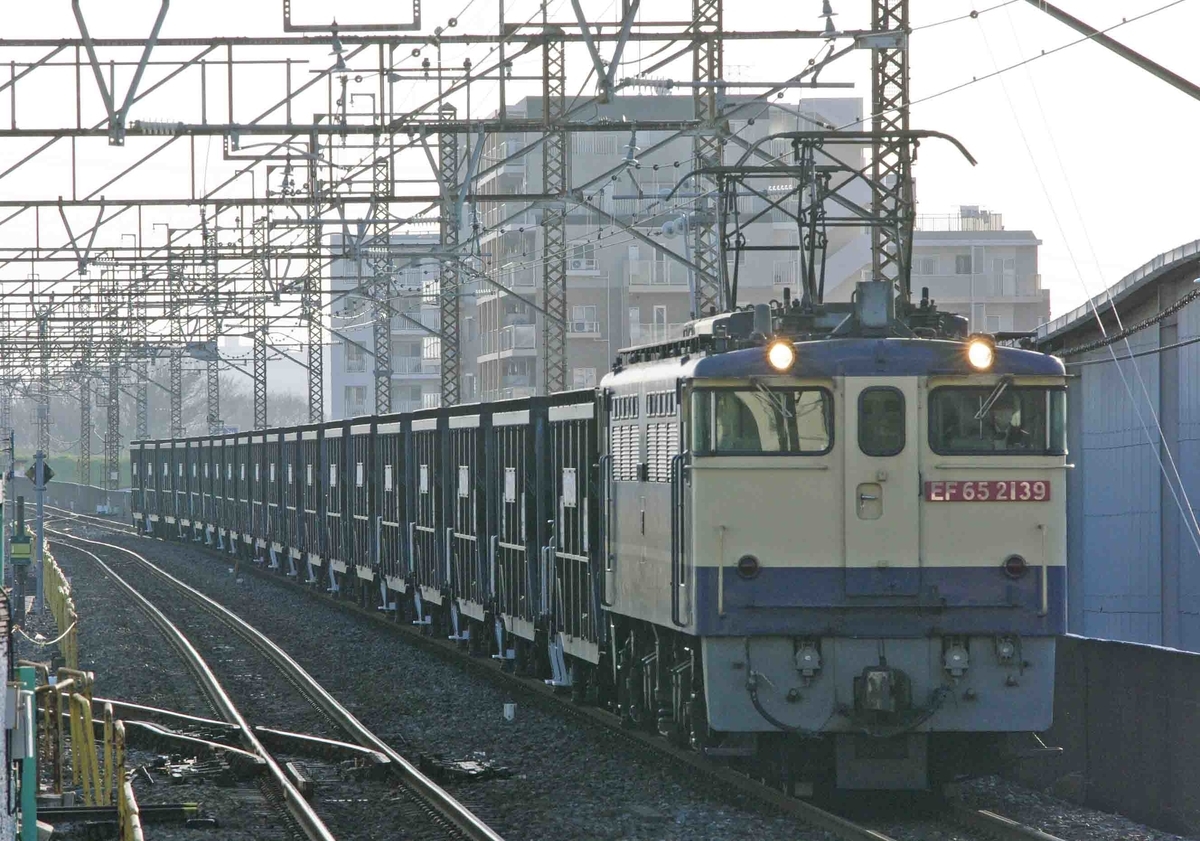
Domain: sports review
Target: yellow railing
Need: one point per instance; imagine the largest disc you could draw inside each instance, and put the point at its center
(129, 819)
(62, 608)
(67, 706)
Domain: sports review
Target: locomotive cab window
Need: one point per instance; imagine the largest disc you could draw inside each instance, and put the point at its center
(749, 421)
(881, 421)
(1010, 421)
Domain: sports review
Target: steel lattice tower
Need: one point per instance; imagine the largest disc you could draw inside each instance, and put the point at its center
(212, 286)
(138, 321)
(175, 386)
(450, 303)
(85, 428)
(554, 217)
(85, 397)
(311, 300)
(112, 438)
(891, 183)
(6, 426)
(43, 397)
(381, 284)
(260, 268)
(709, 147)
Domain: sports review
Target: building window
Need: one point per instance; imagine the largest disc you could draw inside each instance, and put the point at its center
(583, 378)
(406, 358)
(993, 324)
(356, 399)
(582, 259)
(962, 263)
(925, 265)
(356, 359)
(583, 320)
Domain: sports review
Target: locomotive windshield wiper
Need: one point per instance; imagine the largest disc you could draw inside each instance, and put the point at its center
(775, 398)
(1004, 383)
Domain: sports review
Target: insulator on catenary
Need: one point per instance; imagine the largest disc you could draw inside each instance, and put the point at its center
(157, 127)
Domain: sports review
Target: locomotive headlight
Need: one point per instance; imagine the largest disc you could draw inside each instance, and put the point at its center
(781, 355)
(980, 353)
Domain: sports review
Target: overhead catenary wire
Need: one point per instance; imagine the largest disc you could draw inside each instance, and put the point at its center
(1176, 486)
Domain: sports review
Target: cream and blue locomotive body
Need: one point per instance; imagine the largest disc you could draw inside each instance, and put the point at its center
(856, 564)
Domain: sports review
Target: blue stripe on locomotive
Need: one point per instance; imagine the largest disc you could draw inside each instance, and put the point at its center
(806, 601)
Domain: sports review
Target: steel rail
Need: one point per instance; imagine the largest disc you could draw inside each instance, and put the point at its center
(988, 823)
(813, 815)
(445, 805)
(113, 525)
(996, 826)
(312, 825)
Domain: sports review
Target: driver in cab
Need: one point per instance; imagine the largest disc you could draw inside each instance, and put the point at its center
(1004, 423)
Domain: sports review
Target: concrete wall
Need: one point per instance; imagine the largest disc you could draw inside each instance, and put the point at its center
(1127, 720)
(82, 499)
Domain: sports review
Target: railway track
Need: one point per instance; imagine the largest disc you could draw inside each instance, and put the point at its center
(440, 808)
(965, 822)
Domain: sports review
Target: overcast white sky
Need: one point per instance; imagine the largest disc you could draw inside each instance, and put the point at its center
(1091, 153)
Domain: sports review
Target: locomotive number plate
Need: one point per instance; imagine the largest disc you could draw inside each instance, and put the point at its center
(1007, 490)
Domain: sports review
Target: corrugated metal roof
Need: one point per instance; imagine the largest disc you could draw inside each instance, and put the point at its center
(1133, 281)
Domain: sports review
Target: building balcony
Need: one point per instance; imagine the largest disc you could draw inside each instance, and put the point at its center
(969, 219)
(644, 334)
(426, 318)
(584, 329)
(978, 287)
(656, 276)
(517, 391)
(582, 265)
(517, 277)
(492, 215)
(785, 272)
(508, 393)
(513, 340)
(414, 367)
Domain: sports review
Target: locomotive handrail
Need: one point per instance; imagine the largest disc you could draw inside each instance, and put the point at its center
(605, 464)
(676, 537)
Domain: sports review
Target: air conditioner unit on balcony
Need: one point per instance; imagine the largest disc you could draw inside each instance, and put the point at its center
(577, 265)
(579, 327)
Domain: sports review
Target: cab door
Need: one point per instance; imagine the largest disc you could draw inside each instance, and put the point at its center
(882, 486)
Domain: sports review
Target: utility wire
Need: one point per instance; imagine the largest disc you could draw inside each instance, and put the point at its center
(1184, 505)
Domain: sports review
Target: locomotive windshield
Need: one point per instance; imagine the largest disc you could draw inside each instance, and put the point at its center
(1020, 421)
(728, 421)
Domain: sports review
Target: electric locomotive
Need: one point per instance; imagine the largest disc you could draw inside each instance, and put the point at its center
(835, 544)
(822, 541)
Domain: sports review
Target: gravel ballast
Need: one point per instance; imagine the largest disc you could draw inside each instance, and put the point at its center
(567, 780)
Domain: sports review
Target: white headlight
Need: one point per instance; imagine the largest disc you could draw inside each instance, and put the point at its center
(781, 355)
(980, 354)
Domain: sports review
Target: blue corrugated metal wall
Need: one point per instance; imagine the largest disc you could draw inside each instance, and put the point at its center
(1188, 458)
(1117, 553)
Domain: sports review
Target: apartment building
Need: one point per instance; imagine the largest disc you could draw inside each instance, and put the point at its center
(620, 290)
(973, 266)
(416, 352)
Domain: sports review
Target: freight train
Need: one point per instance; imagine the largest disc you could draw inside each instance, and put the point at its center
(825, 544)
